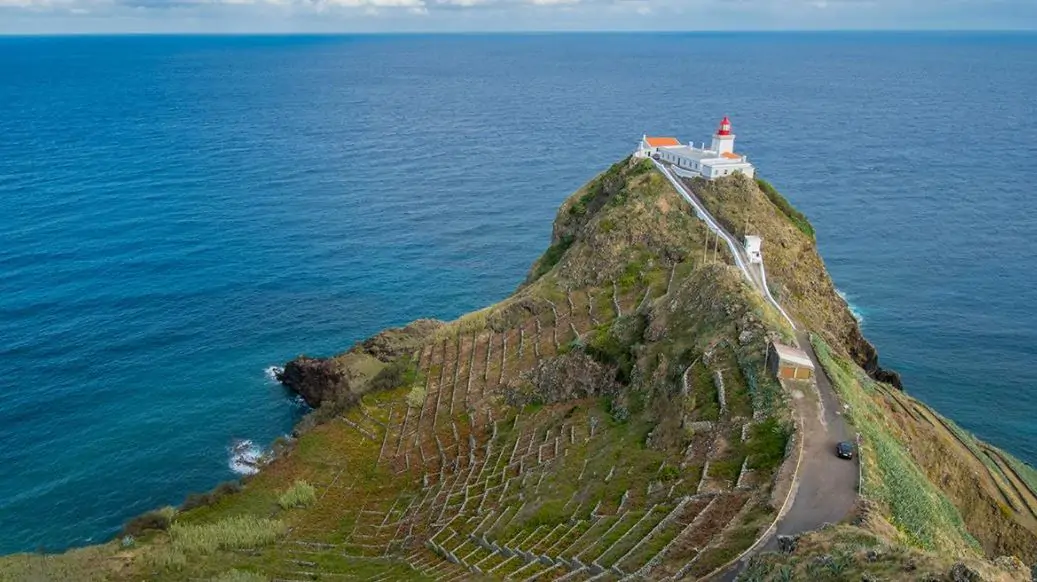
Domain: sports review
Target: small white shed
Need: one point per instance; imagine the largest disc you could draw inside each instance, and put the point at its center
(752, 248)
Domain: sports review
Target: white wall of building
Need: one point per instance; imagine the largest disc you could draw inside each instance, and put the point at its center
(723, 144)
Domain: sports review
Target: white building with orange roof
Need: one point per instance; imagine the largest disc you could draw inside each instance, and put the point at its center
(717, 161)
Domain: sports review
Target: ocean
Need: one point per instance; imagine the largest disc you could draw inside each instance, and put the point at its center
(180, 214)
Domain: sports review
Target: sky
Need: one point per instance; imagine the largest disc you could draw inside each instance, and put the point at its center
(326, 16)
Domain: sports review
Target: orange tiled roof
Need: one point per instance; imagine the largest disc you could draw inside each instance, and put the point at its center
(732, 156)
(658, 142)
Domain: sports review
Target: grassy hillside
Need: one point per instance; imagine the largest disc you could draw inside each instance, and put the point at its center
(610, 420)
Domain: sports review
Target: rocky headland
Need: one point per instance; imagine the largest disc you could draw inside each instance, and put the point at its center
(613, 419)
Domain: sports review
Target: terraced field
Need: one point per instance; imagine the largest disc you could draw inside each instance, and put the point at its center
(464, 485)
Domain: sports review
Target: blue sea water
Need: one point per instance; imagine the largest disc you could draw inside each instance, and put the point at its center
(177, 214)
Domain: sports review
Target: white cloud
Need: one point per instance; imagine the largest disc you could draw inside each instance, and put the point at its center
(492, 15)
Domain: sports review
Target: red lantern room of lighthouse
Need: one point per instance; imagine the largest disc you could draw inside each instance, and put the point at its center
(724, 140)
(725, 126)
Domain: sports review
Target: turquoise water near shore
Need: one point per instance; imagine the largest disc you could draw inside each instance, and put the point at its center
(178, 214)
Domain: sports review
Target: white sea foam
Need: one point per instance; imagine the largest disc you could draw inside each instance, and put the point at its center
(245, 457)
(299, 402)
(272, 372)
(854, 310)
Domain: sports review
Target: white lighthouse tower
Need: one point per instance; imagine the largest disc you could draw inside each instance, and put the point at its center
(724, 140)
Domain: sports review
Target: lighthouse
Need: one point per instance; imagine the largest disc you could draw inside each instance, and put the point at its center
(689, 161)
(723, 139)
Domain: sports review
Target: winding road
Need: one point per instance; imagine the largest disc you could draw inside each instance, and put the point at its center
(824, 488)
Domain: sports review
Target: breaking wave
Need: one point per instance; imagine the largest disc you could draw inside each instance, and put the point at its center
(245, 457)
(272, 372)
(854, 310)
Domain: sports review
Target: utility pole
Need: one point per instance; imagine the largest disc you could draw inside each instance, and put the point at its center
(705, 243)
(716, 246)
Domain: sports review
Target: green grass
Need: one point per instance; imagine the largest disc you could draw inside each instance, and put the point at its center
(232, 533)
(736, 391)
(797, 218)
(300, 494)
(726, 469)
(766, 444)
(921, 513)
(1027, 473)
(704, 393)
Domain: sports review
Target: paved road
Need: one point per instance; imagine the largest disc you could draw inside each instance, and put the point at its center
(826, 489)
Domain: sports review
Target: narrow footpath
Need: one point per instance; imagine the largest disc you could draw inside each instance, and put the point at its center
(824, 489)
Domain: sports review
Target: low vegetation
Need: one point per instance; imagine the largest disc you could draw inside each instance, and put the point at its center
(157, 520)
(196, 500)
(765, 448)
(231, 533)
(614, 343)
(398, 373)
(300, 494)
(795, 216)
(551, 256)
(922, 514)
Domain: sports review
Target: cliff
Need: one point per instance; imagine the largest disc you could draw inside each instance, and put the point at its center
(612, 419)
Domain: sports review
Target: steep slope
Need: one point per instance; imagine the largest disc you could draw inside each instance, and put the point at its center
(927, 485)
(612, 419)
(796, 272)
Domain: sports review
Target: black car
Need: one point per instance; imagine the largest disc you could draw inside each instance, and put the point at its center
(844, 450)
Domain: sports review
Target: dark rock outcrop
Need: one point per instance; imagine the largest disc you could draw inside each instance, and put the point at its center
(316, 380)
(962, 573)
(867, 357)
(570, 377)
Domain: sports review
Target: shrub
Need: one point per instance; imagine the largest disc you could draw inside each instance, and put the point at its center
(300, 494)
(767, 443)
(196, 500)
(725, 469)
(669, 473)
(158, 520)
(798, 219)
(640, 167)
(552, 255)
(614, 345)
(227, 488)
(416, 396)
(400, 372)
(232, 533)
